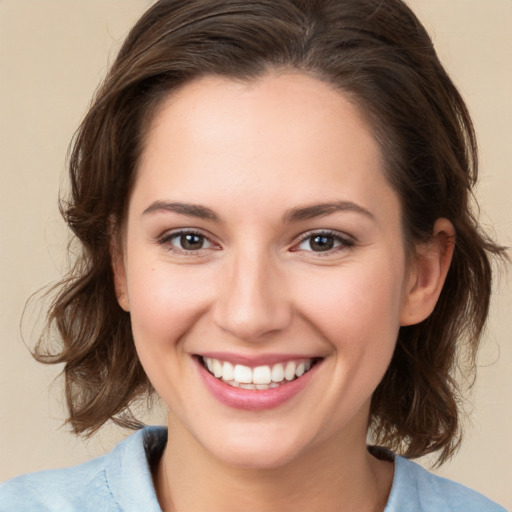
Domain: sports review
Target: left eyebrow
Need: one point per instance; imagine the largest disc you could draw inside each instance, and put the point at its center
(323, 209)
(191, 210)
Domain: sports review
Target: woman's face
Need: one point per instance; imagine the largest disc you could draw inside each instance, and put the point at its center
(262, 239)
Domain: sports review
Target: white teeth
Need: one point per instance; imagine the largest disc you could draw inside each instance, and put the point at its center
(277, 374)
(261, 377)
(289, 371)
(217, 368)
(227, 371)
(242, 374)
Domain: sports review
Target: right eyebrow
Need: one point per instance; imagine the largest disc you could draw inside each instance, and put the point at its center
(191, 210)
(324, 209)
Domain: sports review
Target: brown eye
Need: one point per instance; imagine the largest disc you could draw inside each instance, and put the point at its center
(186, 241)
(325, 242)
(191, 242)
(321, 243)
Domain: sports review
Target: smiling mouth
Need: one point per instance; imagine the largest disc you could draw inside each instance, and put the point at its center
(260, 377)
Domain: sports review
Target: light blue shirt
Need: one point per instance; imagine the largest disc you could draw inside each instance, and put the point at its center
(121, 481)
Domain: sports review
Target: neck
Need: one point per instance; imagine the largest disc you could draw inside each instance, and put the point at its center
(339, 475)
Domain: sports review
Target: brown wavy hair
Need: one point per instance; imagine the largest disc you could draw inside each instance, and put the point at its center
(379, 54)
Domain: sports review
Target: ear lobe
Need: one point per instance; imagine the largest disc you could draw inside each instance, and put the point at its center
(118, 269)
(428, 274)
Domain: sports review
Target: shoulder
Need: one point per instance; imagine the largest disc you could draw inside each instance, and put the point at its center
(416, 489)
(59, 489)
(117, 481)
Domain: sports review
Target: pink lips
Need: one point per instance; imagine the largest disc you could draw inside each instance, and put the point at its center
(252, 399)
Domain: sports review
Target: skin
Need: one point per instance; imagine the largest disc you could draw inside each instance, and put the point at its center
(252, 153)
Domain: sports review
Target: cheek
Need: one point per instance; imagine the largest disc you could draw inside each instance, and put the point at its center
(356, 307)
(164, 301)
(165, 305)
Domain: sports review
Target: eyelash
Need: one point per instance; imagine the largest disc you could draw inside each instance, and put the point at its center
(168, 237)
(345, 242)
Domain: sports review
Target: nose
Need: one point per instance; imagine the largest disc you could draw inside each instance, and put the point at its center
(252, 301)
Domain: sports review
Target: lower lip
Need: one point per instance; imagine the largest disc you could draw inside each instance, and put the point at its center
(254, 399)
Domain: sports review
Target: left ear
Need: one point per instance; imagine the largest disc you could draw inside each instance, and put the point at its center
(428, 273)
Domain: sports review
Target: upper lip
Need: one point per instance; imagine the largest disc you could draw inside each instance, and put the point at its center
(256, 360)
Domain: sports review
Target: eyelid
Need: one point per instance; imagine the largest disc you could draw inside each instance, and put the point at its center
(166, 238)
(346, 241)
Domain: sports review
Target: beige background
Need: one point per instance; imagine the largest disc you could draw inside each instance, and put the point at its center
(52, 55)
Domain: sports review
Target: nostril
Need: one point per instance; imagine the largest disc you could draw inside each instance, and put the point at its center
(252, 323)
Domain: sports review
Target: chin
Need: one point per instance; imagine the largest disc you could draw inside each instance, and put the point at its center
(256, 451)
(248, 458)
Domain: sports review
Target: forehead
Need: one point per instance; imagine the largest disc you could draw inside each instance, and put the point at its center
(221, 112)
(283, 137)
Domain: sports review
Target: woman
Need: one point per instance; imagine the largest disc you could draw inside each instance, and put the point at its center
(273, 203)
